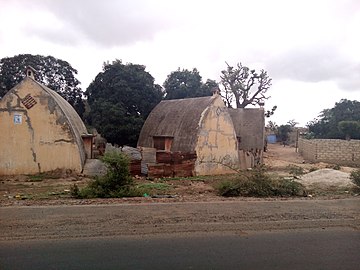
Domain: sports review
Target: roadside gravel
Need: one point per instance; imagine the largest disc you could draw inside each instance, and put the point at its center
(63, 222)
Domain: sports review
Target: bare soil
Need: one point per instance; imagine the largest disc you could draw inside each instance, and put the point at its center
(54, 189)
(40, 207)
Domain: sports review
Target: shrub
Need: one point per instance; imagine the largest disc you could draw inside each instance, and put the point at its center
(117, 182)
(334, 167)
(259, 184)
(74, 191)
(295, 170)
(355, 177)
(287, 187)
(118, 173)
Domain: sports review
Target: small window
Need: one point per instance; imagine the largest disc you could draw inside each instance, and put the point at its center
(162, 142)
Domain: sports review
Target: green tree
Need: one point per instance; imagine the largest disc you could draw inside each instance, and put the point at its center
(283, 132)
(187, 84)
(328, 126)
(350, 129)
(244, 86)
(54, 73)
(120, 98)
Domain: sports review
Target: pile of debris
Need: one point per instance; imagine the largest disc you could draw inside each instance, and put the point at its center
(326, 177)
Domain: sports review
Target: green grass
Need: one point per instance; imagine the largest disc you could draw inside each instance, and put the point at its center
(42, 176)
(35, 178)
(192, 178)
(295, 170)
(154, 186)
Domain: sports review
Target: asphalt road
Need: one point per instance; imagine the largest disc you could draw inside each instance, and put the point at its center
(59, 222)
(305, 249)
(290, 234)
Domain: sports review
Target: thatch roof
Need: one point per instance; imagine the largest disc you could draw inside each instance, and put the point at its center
(249, 126)
(177, 118)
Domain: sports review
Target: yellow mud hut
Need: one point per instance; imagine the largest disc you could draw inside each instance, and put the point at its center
(40, 131)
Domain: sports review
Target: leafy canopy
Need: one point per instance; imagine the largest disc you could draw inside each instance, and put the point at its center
(54, 73)
(340, 122)
(181, 84)
(120, 99)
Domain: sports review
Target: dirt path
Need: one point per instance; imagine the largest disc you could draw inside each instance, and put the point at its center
(61, 222)
(279, 156)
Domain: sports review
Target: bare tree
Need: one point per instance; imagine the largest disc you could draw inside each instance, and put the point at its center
(244, 85)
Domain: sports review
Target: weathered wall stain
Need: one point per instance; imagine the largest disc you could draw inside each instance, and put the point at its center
(216, 142)
(42, 139)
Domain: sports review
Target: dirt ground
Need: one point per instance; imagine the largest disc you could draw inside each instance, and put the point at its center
(178, 206)
(54, 189)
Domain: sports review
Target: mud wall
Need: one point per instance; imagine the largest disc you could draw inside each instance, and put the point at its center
(216, 145)
(35, 134)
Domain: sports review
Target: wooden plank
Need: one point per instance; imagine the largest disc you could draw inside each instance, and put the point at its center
(163, 157)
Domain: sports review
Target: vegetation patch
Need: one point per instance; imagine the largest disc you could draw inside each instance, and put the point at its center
(295, 170)
(192, 178)
(257, 183)
(154, 186)
(355, 177)
(117, 182)
(313, 169)
(42, 176)
(334, 167)
(149, 189)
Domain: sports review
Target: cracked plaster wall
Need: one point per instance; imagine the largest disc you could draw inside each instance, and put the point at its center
(42, 139)
(216, 146)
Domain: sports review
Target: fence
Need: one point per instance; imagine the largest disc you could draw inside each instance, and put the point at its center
(331, 151)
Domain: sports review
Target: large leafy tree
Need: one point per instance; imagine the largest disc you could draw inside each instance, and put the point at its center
(187, 84)
(244, 86)
(54, 73)
(339, 122)
(120, 99)
(283, 132)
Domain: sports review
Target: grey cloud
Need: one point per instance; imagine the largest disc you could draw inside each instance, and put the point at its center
(62, 37)
(316, 65)
(106, 23)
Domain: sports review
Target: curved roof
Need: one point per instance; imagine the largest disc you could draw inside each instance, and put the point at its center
(77, 126)
(178, 118)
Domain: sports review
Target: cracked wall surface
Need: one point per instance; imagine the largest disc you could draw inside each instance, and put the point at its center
(216, 146)
(36, 139)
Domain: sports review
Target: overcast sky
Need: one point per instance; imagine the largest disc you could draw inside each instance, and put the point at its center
(310, 48)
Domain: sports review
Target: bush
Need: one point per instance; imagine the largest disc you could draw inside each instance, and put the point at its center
(117, 182)
(287, 187)
(259, 184)
(313, 169)
(355, 177)
(295, 170)
(74, 191)
(334, 167)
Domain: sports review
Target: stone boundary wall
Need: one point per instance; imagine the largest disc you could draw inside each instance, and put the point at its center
(331, 151)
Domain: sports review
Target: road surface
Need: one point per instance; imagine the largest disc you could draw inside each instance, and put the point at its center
(290, 234)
